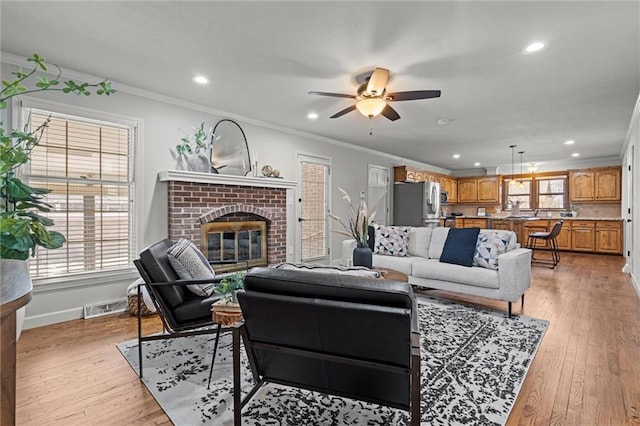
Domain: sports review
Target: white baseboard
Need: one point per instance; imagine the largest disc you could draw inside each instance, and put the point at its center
(52, 318)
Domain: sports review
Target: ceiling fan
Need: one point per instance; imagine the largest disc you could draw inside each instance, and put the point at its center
(372, 97)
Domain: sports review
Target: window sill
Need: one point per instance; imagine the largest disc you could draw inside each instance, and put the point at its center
(41, 285)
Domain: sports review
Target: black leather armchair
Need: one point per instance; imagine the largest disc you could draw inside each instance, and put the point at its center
(337, 334)
(182, 312)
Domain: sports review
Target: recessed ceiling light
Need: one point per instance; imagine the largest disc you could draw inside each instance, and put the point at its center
(570, 142)
(533, 48)
(575, 154)
(200, 79)
(476, 164)
(312, 115)
(456, 155)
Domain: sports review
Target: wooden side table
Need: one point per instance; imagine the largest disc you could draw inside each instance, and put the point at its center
(226, 314)
(392, 275)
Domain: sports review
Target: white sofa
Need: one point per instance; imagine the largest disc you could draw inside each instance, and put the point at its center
(424, 269)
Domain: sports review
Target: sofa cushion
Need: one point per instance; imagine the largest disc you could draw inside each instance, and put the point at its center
(419, 239)
(402, 264)
(490, 245)
(190, 264)
(460, 246)
(438, 237)
(392, 240)
(435, 270)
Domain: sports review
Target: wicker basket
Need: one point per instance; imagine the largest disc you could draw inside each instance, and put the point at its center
(132, 302)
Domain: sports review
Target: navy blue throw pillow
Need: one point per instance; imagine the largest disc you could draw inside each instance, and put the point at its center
(460, 246)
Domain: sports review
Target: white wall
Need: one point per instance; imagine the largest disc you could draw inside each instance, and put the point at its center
(163, 122)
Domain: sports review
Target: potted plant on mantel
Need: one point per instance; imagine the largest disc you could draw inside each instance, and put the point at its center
(194, 151)
(22, 228)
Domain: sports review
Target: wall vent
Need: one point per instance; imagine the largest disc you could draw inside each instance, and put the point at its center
(105, 308)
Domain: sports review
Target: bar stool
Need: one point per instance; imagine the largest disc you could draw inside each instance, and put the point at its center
(549, 237)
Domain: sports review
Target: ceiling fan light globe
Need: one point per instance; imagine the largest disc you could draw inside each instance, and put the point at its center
(371, 107)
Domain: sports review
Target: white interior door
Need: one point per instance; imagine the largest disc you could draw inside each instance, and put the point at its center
(628, 211)
(378, 197)
(312, 206)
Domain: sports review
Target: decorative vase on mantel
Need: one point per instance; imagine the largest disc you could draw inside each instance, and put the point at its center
(362, 256)
(197, 162)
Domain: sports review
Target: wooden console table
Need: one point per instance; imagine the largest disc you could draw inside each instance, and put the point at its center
(15, 292)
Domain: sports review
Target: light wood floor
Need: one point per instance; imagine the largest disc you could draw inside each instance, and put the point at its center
(586, 371)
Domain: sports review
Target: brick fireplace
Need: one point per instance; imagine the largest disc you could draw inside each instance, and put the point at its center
(195, 199)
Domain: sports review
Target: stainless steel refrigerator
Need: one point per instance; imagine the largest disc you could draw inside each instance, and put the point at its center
(416, 204)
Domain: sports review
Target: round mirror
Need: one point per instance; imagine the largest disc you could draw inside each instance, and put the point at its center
(230, 152)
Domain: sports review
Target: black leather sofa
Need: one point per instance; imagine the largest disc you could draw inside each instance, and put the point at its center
(337, 334)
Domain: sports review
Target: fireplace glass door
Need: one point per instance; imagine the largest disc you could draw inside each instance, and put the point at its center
(234, 246)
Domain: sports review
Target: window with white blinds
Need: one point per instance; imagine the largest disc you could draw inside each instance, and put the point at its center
(315, 201)
(87, 165)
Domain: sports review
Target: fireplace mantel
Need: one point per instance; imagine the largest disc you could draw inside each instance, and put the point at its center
(221, 179)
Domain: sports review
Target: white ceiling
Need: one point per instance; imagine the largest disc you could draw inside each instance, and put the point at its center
(263, 57)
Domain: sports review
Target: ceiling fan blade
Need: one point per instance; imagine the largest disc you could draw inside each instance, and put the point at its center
(343, 112)
(390, 113)
(334, 95)
(378, 81)
(412, 95)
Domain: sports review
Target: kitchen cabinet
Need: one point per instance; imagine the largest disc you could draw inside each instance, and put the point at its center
(474, 223)
(609, 237)
(467, 190)
(484, 189)
(502, 224)
(564, 237)
(489, 189)
(583, 235)
(451, 186)
(607, 184)
(598, 184)
(404, 174)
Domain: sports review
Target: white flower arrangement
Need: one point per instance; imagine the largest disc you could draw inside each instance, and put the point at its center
(358, 225)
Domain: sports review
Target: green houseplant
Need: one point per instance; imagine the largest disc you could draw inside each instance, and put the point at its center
(229, 285)
(191, 147)
(22, 228)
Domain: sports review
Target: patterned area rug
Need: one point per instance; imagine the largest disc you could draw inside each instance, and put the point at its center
(473, 364)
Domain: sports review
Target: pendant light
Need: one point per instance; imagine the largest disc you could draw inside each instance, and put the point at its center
(520, 182)
(511, 181)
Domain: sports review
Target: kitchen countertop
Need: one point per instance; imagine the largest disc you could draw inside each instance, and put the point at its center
(527, 218)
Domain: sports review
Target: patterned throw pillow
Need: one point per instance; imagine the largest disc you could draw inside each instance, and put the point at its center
(190, 264)
(392, 240)
(491, 244)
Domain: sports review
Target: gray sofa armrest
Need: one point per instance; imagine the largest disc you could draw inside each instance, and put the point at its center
(514, 272)
(347, 252)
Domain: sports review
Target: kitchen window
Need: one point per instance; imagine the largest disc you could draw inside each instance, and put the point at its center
(536, 193)
(552, 193)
